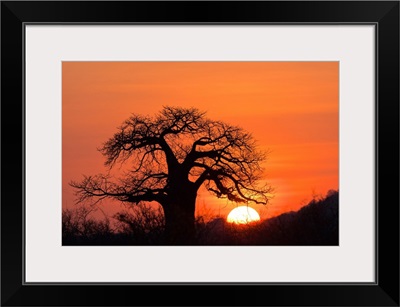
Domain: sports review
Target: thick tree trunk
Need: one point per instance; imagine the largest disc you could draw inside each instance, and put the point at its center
(179, 217)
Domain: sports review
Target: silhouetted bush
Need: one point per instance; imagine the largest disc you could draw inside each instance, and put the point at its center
(79, 228)
(144, 225)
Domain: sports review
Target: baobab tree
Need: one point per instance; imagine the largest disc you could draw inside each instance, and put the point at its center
(168, 157)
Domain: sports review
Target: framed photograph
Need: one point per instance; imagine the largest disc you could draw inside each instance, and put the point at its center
(229, 153)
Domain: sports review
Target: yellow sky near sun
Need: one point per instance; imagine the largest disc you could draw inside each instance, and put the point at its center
(291, 108)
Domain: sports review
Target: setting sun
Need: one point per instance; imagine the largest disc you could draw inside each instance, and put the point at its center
(243, 215)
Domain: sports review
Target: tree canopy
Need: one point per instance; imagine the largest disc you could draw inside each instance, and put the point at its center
(222, 156)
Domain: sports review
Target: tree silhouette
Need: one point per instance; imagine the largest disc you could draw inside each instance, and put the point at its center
(171, 155)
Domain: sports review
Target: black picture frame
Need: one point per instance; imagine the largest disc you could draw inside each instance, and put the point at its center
(383, 14)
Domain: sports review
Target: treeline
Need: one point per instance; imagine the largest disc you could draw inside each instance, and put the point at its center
(317, 223)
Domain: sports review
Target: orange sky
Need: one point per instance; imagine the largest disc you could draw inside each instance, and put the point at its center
(291, 108)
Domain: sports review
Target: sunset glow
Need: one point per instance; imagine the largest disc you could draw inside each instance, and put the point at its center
(290, 108)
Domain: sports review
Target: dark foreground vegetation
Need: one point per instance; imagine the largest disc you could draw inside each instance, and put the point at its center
(314, 224)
